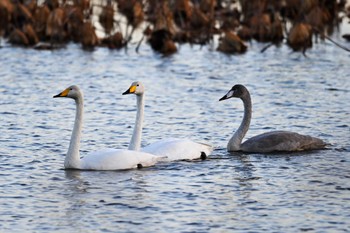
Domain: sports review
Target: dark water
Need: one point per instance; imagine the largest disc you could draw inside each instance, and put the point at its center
(226, 193)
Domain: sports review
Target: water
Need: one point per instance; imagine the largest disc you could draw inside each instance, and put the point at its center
(228, 192)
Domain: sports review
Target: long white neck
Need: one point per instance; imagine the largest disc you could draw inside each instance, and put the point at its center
(72, 159)
(135, 143)
(235, 142)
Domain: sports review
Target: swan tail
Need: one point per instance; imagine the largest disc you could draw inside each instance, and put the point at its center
(206, 149)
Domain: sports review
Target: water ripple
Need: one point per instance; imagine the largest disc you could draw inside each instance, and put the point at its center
(228, 192)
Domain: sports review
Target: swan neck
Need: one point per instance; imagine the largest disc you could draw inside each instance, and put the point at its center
(236, 140)
(73, 156)
(135, 143)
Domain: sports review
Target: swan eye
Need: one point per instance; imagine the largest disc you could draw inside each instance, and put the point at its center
(137, 85)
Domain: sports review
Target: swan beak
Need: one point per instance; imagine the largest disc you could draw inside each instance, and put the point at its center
(223, 98)
(131, 90)
(62, 94)
(227, 96)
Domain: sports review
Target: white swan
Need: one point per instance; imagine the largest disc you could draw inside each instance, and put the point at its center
(173, 149)
(108, 159)
(266, 142)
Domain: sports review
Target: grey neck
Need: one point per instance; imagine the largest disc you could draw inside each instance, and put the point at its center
(236, 140)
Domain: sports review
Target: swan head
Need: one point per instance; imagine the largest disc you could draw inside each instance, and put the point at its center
(136, 88)
(237, 91)
(71, 92)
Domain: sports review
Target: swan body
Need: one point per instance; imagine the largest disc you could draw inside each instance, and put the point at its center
(117, 160)
(267, 142)
(179, 149)
(107, 159)
(173, 148)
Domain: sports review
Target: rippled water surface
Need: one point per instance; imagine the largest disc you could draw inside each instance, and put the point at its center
(226, 193)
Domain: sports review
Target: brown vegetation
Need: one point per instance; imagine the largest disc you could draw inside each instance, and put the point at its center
(106, 18)
(231, 43)
(88, 36)
(170, 22)
(300, 37)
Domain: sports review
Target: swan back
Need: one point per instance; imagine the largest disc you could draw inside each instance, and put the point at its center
(281, 141)
(179, 149)
(113, 159)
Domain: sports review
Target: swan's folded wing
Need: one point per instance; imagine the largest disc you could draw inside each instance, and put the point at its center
(112, 159)
(281, 141)
(178, 149)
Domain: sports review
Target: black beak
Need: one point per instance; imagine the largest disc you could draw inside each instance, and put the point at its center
(223, 98)
(58, 95)
(127, 92)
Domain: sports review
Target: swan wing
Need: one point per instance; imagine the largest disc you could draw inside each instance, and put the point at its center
(178, 149)
(281, 141)
(113, 159)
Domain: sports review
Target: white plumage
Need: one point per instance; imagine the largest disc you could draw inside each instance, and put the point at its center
(172, 148)
(108, 159)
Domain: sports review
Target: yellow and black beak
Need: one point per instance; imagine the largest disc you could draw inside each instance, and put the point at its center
(131, 90)
(62, 94)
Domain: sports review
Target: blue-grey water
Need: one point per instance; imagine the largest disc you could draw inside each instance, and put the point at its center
(226, 193)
